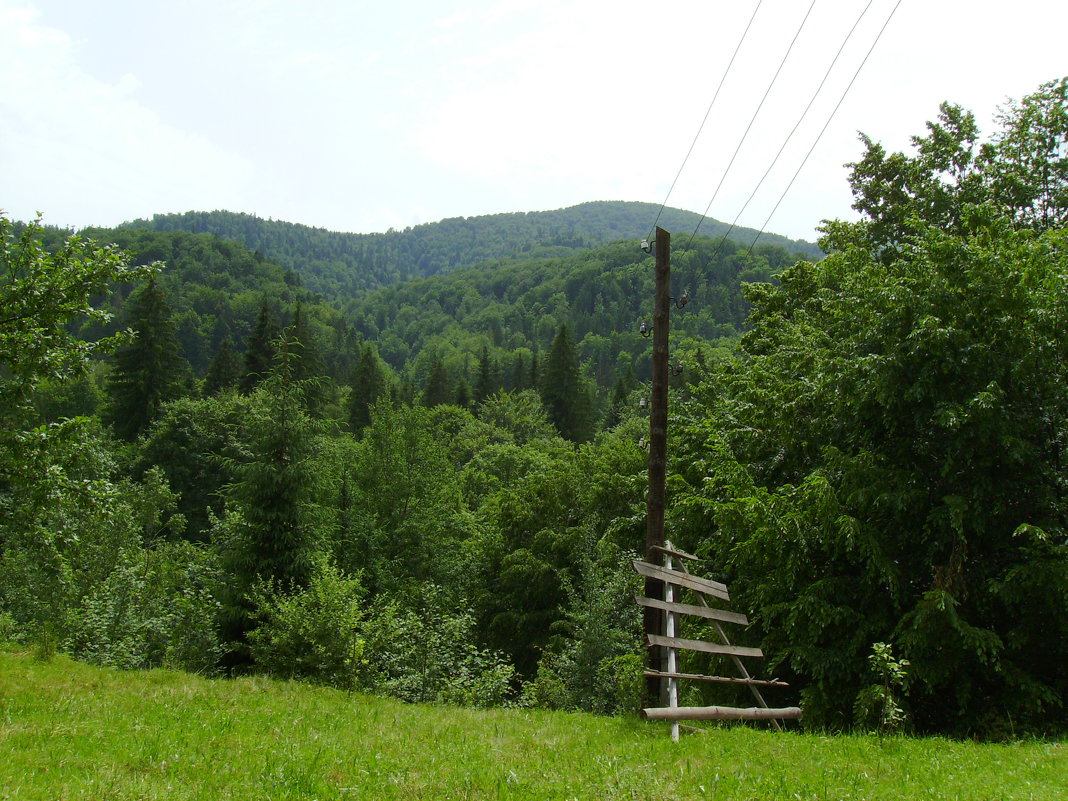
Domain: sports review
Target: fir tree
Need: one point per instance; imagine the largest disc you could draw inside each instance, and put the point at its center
(625, 384)
(307, 366)
(463, 394)
(489, 376)
(563, 392)
(224, 372)
(438, 389)
(368, 385)
(259, 356)
(150, 370)
(519, 373)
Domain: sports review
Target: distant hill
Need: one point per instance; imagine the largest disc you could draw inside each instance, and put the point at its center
(342, 265)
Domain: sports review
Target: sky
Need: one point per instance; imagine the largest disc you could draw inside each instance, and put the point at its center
(357, 116)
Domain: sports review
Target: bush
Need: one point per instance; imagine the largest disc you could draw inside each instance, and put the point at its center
(429, 655)
(155, 609)
(313, 633)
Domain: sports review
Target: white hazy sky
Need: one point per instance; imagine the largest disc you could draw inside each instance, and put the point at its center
(358, 116)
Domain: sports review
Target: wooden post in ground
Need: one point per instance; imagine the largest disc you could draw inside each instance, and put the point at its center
(672, 665)
(658, 417)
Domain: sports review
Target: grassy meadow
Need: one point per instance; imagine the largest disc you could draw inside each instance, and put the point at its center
(73, 731)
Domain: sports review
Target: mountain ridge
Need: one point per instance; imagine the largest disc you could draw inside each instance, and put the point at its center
(347, 264)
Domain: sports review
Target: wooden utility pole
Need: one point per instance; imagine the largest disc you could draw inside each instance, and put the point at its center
(658, 417)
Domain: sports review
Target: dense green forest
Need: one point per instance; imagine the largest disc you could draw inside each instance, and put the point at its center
(340, 265)
(415, 468)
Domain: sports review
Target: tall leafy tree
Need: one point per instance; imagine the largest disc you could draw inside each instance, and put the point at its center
(149, 371)
(886, 460)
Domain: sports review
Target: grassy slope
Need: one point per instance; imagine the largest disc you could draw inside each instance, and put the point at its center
(69, 731)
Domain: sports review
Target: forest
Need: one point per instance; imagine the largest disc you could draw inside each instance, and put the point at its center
(412, 464)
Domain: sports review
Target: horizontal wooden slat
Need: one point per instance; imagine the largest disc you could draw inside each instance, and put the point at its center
(722, 679)
(704, 647)
(706, 586)
(696, 611)
(671, 550)
(721, 713)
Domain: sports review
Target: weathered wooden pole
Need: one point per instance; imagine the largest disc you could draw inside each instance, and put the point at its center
(658, 418)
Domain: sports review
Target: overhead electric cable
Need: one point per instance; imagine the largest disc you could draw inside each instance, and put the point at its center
(752, 120)
(793, 130)
(824, 129)
(701, 127)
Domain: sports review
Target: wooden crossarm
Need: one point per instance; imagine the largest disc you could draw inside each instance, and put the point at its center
(713, 588)
(696, 611)
(704, 647)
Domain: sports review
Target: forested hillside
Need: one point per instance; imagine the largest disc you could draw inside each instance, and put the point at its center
(434, 490)
(340, 265)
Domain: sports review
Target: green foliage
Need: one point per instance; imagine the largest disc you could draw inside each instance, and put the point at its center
(595, 660)
(878, 704)
(40, 294)
(369, 383)
(563, 392)
(896, 415)
(149, 371)
(260, 349)
(408, 513)
(341, 265)
(312, 633)
(429, 654)
(157, 608)
(63, 524)
(225, 370)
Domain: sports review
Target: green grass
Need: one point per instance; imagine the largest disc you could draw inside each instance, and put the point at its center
(72, 731)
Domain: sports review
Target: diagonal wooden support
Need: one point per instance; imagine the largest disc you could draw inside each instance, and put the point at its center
(737, 662)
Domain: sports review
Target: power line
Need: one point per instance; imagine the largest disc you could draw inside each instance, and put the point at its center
(701, 127)
(751, 121)
(793, 130)
(824, 129)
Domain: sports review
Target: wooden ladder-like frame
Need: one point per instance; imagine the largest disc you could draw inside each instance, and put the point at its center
(674, 581)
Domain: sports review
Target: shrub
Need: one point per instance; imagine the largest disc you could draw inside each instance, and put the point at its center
(312, 633)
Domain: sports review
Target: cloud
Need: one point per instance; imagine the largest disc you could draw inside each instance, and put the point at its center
(71, 142)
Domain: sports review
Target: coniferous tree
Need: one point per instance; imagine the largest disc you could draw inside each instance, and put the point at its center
(259, 356)
(150, 370)
(307, 366)
(277, 527)
(519, 373)
(625, 384)
(563, 391)
(488, 380)
(438, 389)
(224, 372)
(463, 394)
(368, 385)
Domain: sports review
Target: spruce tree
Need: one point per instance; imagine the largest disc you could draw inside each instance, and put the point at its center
(625, 384)
(259, 356)
(224, 372)
(488, 380)
(438, 389)
(150, 370)
(369, 383)
(563, 391)
(307, 366)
